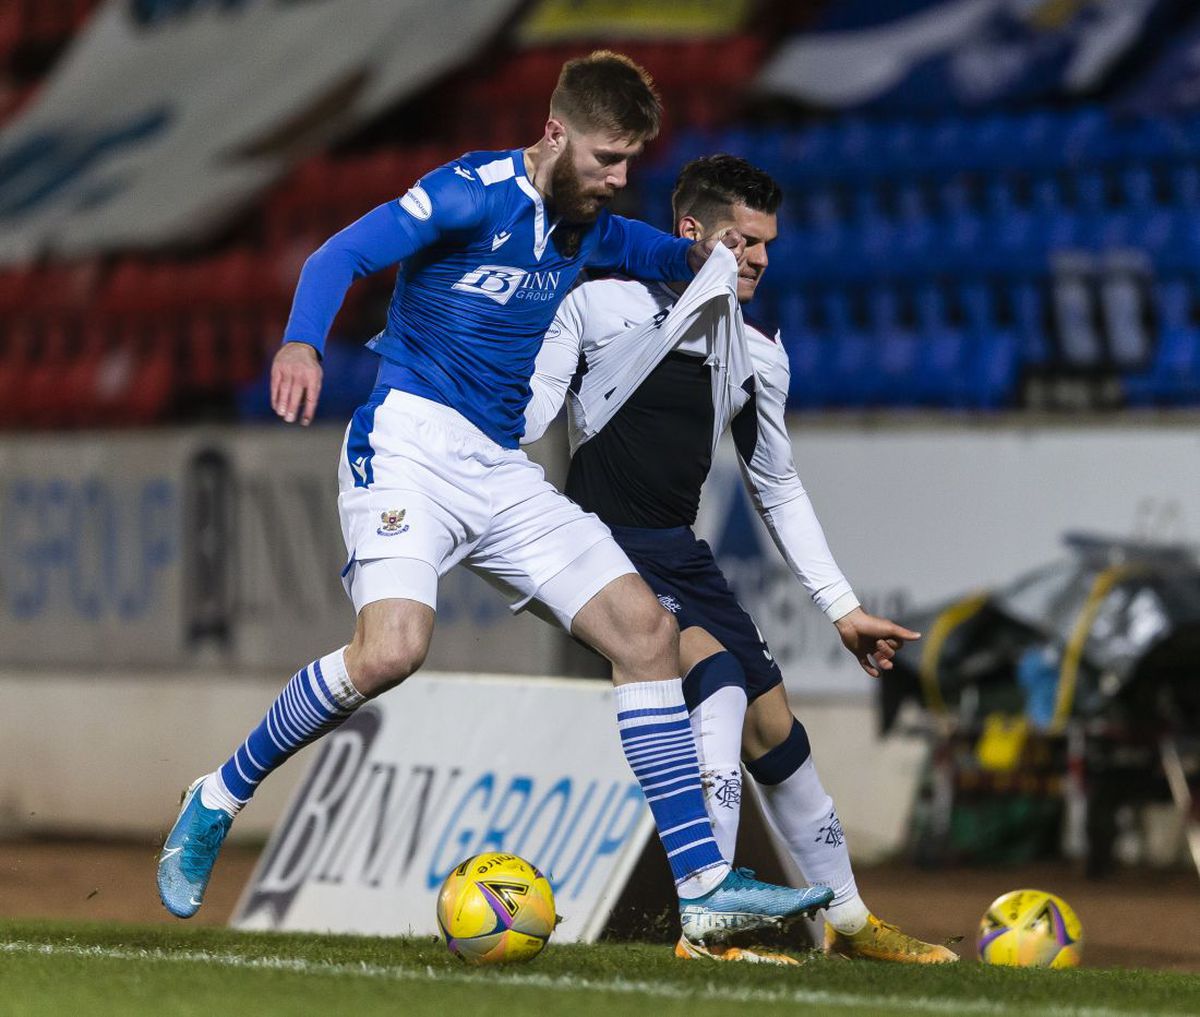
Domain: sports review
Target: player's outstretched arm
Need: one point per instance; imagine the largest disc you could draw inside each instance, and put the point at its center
(640, 251)
(296, 382)
(873, 640)
(447, 199)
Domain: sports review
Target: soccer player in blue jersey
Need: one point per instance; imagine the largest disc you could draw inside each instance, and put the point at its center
(432, 474)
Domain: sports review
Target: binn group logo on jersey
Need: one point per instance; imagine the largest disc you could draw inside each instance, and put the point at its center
(502, 283)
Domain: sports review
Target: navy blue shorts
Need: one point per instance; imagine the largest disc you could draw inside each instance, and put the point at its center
(685, 577)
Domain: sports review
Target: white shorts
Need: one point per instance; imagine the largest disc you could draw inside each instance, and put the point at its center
(421, 489)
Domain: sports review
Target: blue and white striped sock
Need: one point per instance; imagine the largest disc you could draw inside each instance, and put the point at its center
(318, 698)
(656, 736)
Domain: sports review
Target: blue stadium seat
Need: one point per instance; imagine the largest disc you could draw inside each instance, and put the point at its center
(855, 152)
(1138, 187)
(942, 358)
(995, 368)
(1091, 192)
(1038, 141)
(1086, 137)
(1185, 185)
(810, 387)
(1029, 322)
(1000, 196)
(1173, 377)
(948, 140)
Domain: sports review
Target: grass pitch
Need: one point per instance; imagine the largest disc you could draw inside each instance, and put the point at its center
(55, 968)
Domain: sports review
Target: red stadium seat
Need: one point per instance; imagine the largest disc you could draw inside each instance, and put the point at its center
(76, 382)
(133, 381)
(42, 391)
(10, 29)
(204, 366)
(16, 355)
(153, 381)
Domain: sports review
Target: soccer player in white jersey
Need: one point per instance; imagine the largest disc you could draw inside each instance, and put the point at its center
(432, 475)
(654, 379)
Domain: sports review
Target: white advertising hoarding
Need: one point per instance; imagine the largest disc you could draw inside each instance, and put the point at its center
(201, 547)
(916, 514)
(438, 770)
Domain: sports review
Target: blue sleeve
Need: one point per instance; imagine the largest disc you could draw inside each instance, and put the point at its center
(640, 251)
(440, 203)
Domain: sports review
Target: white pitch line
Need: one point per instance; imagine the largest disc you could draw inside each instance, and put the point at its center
(709, 990)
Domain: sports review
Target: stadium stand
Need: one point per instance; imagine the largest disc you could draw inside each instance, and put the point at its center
(940, 261)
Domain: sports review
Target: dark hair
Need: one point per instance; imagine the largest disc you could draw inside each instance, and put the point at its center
(708, 187)
(605, 91)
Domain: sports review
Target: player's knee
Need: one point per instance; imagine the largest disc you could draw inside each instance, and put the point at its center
(779, 762)
(706, 678)
(649, 633)
(660, 630)
(380, 668)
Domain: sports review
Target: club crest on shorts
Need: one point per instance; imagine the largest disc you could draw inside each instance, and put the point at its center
(393, 523)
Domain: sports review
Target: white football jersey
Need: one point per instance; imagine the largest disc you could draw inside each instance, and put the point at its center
(609, 334)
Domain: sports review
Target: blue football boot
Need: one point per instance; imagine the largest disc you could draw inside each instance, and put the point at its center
(742, 904)
(189, 853)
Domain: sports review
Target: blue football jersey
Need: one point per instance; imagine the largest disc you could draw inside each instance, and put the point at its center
(480, 281)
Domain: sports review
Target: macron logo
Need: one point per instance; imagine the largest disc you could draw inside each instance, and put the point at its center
(359, 466)
(465, 174)
(500, 239)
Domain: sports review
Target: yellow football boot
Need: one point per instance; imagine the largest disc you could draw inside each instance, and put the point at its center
(687, 950)
(884, 942)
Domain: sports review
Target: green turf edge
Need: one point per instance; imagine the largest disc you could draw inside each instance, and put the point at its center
(70, 984)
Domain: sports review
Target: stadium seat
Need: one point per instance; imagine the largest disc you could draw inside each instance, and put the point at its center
(41, 390)
(1185, 186)
(17, 354)
(810, 382)
(1173, 376)
(995, 367)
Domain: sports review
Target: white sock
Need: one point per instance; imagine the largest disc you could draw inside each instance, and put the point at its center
(803, 813)
(702, 882)
(215, 795)
(717, 726)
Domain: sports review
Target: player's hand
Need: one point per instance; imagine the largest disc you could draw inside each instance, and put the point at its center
(873, 641)
(295, 382)
(698, 253)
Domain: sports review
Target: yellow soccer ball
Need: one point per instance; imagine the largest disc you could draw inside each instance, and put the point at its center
(494, 909)
(1031, 929)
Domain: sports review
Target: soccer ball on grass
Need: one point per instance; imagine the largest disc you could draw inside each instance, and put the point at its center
(1031, 929)
(495, 908)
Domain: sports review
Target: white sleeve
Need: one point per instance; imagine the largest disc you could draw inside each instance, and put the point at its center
(769, 472)
(556, 364)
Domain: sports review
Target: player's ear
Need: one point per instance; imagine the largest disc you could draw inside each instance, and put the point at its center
(555, 135)
(691, 228)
